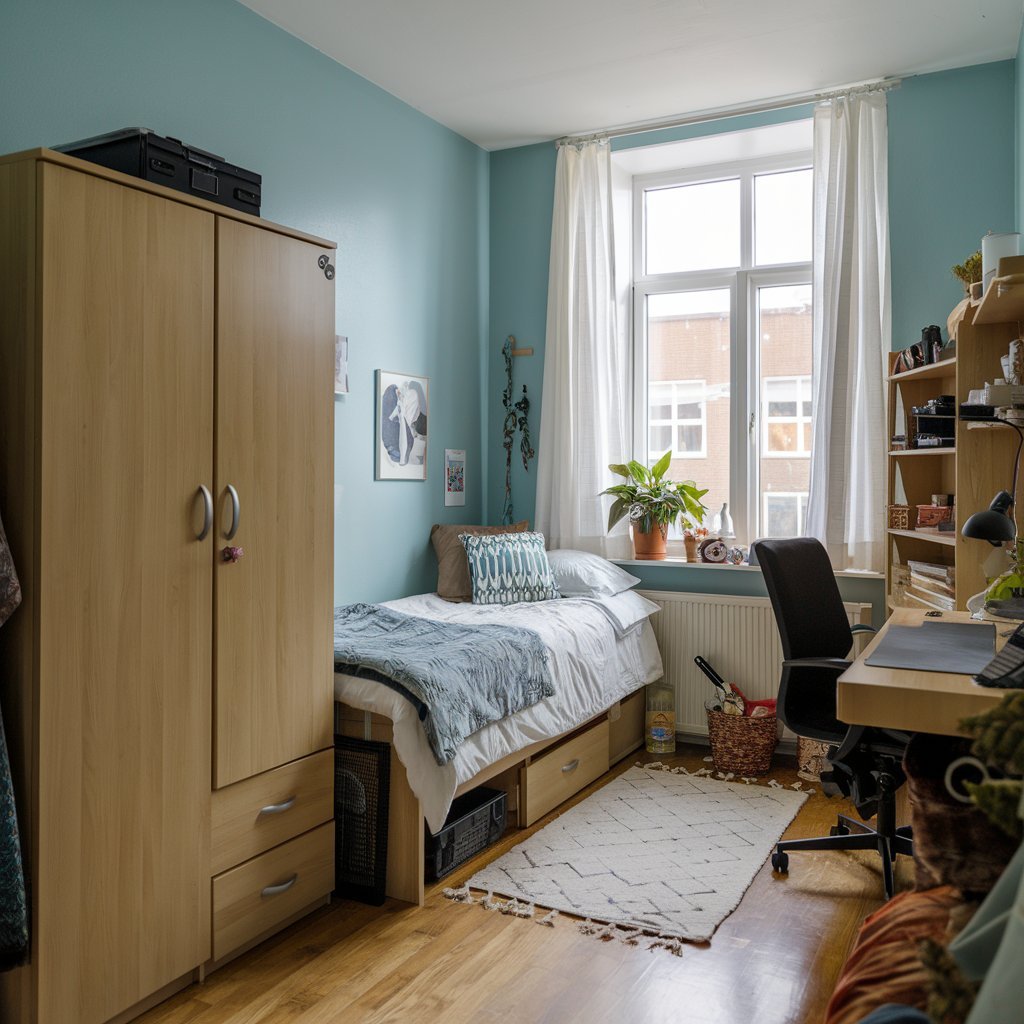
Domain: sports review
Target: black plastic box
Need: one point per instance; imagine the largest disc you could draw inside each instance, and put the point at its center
(476, 820)
(165, 161)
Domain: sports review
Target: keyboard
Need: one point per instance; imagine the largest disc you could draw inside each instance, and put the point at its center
(1006, 669)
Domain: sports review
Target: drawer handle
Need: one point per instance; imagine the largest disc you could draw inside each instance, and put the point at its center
(571, 766)
(284, 805)
(276, 890)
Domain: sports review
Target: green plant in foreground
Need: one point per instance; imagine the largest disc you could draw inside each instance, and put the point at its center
(649, 500)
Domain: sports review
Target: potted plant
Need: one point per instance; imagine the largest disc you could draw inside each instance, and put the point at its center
(653, 504)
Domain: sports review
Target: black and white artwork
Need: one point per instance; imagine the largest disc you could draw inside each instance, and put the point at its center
(402, 414)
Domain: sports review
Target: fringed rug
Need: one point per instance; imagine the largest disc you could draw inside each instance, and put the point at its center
(656, 851)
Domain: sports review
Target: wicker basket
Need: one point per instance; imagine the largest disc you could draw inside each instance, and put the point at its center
(740, 744)
(811, 758)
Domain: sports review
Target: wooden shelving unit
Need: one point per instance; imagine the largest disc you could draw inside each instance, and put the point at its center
(981, 462)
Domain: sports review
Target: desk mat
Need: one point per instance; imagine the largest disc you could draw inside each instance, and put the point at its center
(960, 647)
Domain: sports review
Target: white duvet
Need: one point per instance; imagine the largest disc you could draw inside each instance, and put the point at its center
(601, 650)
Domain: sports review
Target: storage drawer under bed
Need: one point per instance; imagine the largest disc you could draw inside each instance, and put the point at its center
(559, 773)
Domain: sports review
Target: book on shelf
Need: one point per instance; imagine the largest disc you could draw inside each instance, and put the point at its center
(930, 599)
(932, 585)
(934, 570)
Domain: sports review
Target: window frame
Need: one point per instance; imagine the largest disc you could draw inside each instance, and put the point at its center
(746, 414)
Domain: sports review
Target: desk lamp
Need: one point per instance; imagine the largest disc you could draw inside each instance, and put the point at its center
(997, 524)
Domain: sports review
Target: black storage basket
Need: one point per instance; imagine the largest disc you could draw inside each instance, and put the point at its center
(362, 784)
(476, 820)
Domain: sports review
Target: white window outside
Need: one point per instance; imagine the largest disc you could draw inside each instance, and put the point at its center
(721, 263)
(677, 419)
(786, 408)
(784, 514)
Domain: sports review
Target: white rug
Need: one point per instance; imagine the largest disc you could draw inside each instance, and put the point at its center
(668, 853)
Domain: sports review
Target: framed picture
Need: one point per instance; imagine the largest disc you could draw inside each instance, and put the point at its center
(454, 476)
(403, 402)
(340, 364)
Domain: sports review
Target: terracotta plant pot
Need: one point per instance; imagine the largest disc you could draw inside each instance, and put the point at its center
(690, 544)
(650, 547)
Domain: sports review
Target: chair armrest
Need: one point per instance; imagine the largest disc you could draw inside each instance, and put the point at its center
(859, 628)
(841, 664)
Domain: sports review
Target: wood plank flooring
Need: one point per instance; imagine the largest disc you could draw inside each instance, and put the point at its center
(773, 961)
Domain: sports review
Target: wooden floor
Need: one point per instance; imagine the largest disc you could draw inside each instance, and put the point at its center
(773, 961)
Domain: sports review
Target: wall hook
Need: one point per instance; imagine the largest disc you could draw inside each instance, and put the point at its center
(519, 351)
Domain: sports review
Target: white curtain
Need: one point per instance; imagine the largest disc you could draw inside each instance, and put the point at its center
(846, 503)
(586, 399)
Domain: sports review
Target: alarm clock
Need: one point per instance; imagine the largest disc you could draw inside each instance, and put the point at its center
(713, 550)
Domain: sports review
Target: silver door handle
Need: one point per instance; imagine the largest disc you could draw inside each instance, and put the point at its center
(284, 805)
(207, 512)
(276, 890)
(236, 511)
(571, 766)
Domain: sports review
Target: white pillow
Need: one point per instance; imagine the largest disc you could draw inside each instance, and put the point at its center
(579, 573)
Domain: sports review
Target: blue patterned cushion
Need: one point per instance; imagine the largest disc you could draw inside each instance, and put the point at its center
(508, 568)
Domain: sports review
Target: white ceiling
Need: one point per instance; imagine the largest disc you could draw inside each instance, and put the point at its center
(509, 72)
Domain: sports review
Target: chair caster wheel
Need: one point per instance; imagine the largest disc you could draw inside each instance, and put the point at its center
(839, 830)
(780, 862)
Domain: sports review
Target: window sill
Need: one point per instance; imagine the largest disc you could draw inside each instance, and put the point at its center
(857, 574)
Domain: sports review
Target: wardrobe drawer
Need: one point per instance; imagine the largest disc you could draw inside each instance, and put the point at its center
(255, 896)
(253, 815)
(555, 776)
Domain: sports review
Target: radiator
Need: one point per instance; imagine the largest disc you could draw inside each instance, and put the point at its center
(737, 635)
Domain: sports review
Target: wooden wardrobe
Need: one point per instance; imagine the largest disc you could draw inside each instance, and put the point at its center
(166, 394)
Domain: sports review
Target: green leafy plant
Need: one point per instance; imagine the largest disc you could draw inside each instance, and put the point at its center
(969, 271)
(649, 500)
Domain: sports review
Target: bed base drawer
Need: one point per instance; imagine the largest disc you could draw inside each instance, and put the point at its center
(266, 810)
(626, 726)
(558, 774)
(254, 897)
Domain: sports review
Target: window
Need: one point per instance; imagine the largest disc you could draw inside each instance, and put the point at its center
(676, 418)
(784, 514)
(722, 334)
(786, 405)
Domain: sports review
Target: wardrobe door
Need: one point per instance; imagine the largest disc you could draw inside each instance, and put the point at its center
(273, 639)
(124, 597)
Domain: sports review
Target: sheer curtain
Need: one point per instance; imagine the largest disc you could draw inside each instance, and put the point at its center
(851, 334)
(585, 402)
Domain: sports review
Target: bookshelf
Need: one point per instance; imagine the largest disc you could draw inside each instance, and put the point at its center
(974, 469)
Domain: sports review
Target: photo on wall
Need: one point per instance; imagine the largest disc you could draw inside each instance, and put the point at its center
(402, 411)
(454, 476)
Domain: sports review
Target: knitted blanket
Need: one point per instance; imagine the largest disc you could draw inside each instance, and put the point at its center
(459, 678)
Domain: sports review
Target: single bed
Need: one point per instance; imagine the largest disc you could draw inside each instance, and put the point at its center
(602, 651)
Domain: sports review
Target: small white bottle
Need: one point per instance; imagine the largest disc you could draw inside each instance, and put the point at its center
(661, 718)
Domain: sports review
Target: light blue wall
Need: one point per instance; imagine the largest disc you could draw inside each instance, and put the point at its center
(405, 198)
(951, 179)
(1018, 67)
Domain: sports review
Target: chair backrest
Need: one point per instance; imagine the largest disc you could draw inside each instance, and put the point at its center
(812, 624)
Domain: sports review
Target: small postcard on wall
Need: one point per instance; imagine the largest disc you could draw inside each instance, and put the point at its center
(454, 476)
(340, 364)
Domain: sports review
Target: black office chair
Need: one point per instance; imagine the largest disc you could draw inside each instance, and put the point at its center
(866, 763)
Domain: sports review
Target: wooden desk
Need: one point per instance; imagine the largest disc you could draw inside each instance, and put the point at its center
(912, 700)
